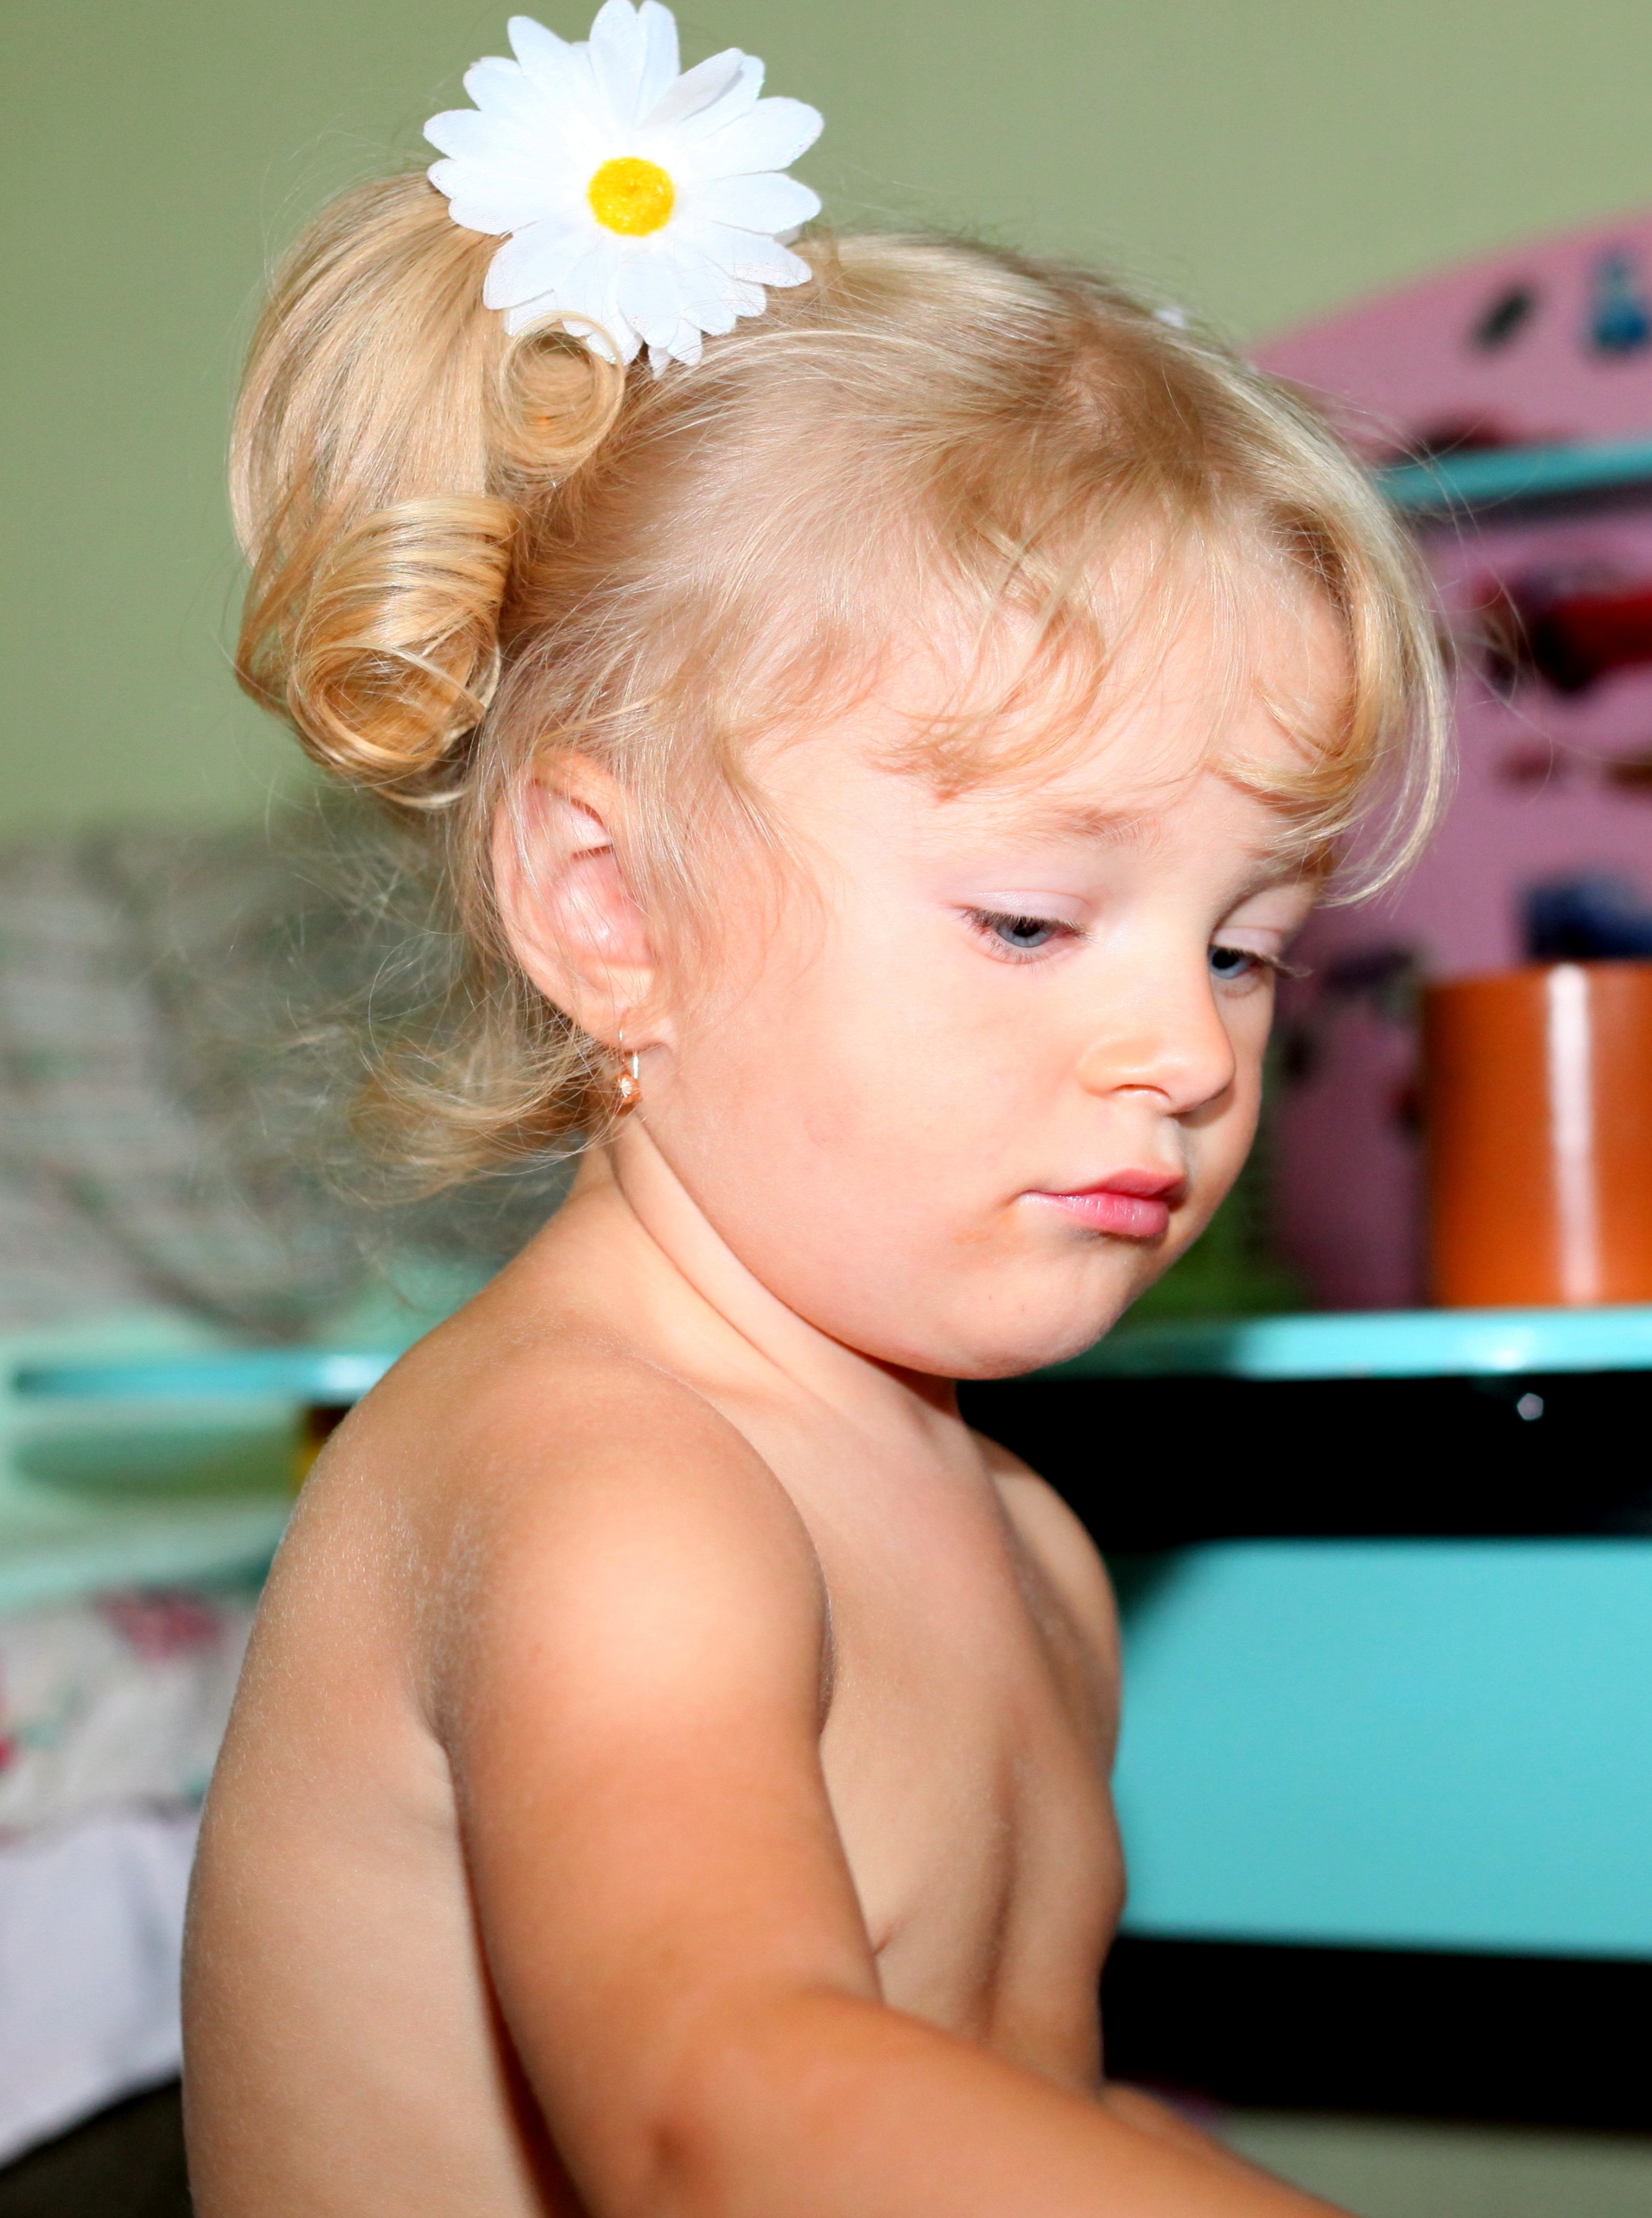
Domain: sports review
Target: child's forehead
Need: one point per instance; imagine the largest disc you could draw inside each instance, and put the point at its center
(1098, 753)
(1155, 635)
(1090, 813)
(1200, 670)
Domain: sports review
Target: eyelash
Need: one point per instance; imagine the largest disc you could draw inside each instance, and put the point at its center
(989, 923)
(1257, 961)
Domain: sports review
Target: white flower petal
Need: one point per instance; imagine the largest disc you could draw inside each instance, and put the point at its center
(772, 137)
(739, 100)
(681, 344)
(750, 299)
(673, 299)
(483, 138)
(661, 59)
(521, 162)
(560, 119)
(546, 314)
(768, 203)
(554, 120)
(530, 315)
(505, 93)
(748, 254)
(697, 89)
(611, 322)
(456, 129)
(716, 298)
(543, 56)
(537, 261)
(489, 199)
(583, 88)
(711, 299)
(619, 55)
(588, 295)
(517, 120)
(650, 295)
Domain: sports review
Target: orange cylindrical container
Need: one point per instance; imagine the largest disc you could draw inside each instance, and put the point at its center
(1537, 1097)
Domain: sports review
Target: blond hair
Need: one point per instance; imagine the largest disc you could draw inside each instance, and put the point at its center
(468, 549)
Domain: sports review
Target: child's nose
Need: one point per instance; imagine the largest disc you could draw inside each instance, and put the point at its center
(1171, 1042)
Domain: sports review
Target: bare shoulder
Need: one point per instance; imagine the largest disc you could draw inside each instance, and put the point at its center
(1058, 1544)
(536, 1481)
(499, 1423)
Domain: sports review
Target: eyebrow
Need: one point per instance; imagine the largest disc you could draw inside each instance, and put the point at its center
(1034, 818)
(1073, 820)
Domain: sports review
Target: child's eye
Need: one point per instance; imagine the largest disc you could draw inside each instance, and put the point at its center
(1018, 935)
(1232, 964)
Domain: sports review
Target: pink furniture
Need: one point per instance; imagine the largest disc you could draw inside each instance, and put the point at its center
(1549, 602)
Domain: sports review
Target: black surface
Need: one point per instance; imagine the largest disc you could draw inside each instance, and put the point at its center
(1153, 1463)
(1542, 2040)
(1535, 2040)
(127, 2162)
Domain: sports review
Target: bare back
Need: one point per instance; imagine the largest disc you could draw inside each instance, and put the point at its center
(564, 1635)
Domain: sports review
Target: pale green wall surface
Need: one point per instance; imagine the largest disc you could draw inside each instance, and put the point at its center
(1263, 158)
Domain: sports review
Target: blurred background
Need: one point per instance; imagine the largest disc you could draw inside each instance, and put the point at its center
(1266, 161)
(1406, 1986)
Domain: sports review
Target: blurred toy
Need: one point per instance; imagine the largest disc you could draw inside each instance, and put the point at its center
(1546, 849)
(1539, 1176)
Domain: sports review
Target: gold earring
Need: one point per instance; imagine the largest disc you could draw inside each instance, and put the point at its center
(628, 1083)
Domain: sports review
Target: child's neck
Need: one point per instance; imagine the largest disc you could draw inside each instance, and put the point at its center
(683, 1281)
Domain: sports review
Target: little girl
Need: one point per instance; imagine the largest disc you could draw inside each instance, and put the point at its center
(882, 744)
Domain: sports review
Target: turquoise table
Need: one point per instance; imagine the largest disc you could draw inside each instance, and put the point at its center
(190, 1483)
(1438, 1745)
(1377, 1344)
(141, 1452)
(1410, 1743)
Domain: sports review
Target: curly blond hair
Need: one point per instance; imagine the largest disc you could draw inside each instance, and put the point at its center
(468, 549)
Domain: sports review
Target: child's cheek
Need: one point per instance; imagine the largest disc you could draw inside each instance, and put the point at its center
(1218, 1153)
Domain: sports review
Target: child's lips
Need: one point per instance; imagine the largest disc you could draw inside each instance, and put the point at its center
(1134, 1204)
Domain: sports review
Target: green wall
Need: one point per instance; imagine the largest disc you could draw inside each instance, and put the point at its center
(1263, 157)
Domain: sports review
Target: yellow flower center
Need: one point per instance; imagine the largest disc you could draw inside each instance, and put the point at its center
(631, 195)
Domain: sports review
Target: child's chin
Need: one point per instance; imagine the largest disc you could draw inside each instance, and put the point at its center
(1037, 1344)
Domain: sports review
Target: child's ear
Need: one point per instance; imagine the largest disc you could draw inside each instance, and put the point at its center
(570, 916)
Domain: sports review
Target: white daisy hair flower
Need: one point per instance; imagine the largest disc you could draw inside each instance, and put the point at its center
(645, 206)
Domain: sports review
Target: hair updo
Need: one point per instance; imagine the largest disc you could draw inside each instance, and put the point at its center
(468, 549)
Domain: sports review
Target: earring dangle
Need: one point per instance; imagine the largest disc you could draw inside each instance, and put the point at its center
(628, 1083)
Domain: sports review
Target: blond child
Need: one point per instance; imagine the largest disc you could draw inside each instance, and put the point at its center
(881, 744)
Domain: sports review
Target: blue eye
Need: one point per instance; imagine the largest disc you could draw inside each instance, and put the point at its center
(1022, 933)
(1229, 964)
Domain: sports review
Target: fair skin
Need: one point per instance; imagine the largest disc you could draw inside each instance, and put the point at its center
(670, 1779)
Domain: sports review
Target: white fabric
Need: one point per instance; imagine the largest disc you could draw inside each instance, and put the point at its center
(91, 1931)
(118, 1702)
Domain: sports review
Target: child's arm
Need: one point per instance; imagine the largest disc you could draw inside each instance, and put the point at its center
(632, 1683)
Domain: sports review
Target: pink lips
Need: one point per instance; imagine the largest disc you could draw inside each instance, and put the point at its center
(1132, 1203)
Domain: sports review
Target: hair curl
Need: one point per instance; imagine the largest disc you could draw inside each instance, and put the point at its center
(468, 549)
